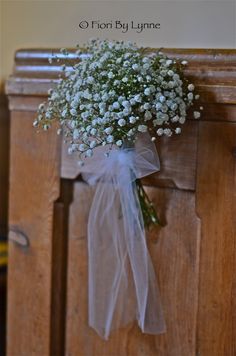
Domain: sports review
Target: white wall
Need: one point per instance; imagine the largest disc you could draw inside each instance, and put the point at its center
(192, 23)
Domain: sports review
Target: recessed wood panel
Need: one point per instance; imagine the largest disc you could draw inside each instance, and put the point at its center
(174, 250)
(216, 206)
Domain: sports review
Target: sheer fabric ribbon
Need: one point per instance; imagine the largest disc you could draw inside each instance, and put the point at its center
(122, 282)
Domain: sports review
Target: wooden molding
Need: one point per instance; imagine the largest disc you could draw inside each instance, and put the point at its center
(213, 71)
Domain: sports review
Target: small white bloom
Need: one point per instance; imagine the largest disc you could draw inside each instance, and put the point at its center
(158, 106)
(146, 106)
(171, 85)
(190, 96)
(121, 122)
(90, 80)
(184, 62)
(92, 144)
(121, 98)
(160, 132)
(153, 139)
(110, 75)
(73, 112)
(130, 132)
(126, 104)
(191, 87)
(178, 130)
(135, 66)
(175, 118)
(142, 128)
(162, 99)
(126, 111)
(138, 98)
(132, 119)
(89, 153)
(132, 102)
(196, 114)
(108, 130)
(116, 105)
(119, 143)
(146, 66)
(96, 97)
(75, 134)
(182, 120)
(93, 132)
(110, 139)
(174, 107)
(82, 147)
(147, 91)
(120, 115)
(170, 73)
(148, 115)
(167, 132)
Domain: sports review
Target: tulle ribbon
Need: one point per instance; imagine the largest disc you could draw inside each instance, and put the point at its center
(122, 282)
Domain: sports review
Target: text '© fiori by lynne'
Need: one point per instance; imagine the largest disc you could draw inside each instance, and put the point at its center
(119, 25)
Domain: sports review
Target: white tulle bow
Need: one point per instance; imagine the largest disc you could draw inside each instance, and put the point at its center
(122, 282)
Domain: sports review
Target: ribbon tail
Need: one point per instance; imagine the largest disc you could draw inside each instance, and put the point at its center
(149, 311)
(122, 283)
(110, 291)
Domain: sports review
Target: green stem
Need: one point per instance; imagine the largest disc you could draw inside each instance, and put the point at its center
(148, 210)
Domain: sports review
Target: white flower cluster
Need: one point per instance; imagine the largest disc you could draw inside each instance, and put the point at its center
(116, 91)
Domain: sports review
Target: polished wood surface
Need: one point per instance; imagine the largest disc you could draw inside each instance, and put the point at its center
(4, 163)
(194, 253)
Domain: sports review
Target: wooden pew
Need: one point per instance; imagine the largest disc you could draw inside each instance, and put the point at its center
(194, 254)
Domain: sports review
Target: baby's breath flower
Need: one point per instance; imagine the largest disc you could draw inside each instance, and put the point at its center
(132, 119)
(160, 132)
(121, 122)
(196, 114)
(191, 87)
(178, 130)
(110, 95)
(119, 143)
(89, 153)
(82, 147)
(110, 138)
(142, 128)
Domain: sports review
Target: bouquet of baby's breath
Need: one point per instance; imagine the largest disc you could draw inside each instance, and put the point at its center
(114, 92)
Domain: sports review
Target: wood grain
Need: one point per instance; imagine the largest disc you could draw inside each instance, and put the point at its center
(4, 163)
(175, 253)
(216, 206)
(34, 186)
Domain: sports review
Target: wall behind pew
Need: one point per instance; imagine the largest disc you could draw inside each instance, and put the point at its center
(42, 23)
